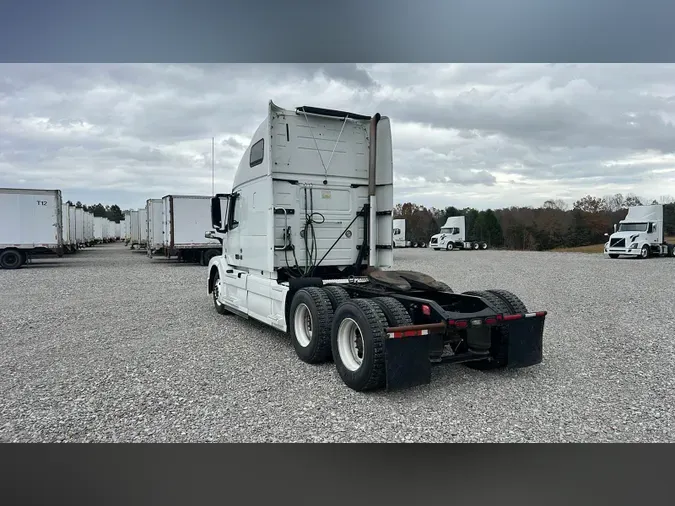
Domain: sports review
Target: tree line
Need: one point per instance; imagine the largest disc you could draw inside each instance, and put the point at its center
(112, 212)
(552, 225)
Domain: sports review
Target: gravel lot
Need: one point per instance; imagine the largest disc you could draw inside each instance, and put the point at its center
(107, 345)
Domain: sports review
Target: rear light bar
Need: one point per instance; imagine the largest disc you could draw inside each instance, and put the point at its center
(426, 329)
(493, 320)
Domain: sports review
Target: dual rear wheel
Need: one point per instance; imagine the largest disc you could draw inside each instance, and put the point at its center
(325, 324)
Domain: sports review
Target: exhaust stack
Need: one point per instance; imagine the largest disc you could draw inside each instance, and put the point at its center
(372, 164)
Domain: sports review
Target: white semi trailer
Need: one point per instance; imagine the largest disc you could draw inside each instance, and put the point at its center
(99, 229)
(79, 227)
(68, 241)
(401, 238)
(639, 235)
(186, 219)
(126, 227)
(307, 236)
(154, 226)
(72, 223)
(453, 236)
(32, 224)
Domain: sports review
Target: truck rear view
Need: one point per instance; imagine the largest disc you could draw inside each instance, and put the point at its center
(32, 224)
(307, 249)
(186, 219)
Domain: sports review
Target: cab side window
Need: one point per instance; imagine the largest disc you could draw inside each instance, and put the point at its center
(257, 153)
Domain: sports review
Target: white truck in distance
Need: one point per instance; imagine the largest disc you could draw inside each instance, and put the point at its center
(639, 235)
(400, 237)
(307, 236)
(453, 236)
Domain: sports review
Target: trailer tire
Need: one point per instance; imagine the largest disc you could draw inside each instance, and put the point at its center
(311, 317)
(208, 255)
(336, 294)
(395, 312)
(360, 319)
(12, 259)
(516, 305)
(500, 336)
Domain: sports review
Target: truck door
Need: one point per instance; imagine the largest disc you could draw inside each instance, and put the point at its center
(235, 277)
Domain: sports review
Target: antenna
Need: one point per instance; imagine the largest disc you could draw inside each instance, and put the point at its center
(213, 166)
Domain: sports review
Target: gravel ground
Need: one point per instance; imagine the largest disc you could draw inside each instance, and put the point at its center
(108, 345)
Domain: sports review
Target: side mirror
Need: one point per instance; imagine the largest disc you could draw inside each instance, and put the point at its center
(216, 216)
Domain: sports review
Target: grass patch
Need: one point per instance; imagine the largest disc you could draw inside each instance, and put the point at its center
(596, 248)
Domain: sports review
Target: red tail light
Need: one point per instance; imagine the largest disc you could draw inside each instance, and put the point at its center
(509, 317)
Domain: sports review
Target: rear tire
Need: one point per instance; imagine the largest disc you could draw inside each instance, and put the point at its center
(357, 340)
(336, 294)
(395, 312)
(311, 316)
(475, 246)
(512, 300)
(11, 259)
(499, 336)
(483, 245)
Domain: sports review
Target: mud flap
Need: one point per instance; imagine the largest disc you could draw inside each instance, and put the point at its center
(525, 342)
(407, 362)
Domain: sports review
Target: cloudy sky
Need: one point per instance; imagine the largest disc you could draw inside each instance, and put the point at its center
(464, 135)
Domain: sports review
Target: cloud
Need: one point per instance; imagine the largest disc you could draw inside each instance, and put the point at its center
(486, 135)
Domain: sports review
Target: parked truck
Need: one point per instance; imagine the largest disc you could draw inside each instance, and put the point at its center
(402, 239)
(186, 219)
(32, 224)
(307, 239)
(639, 235)
(453, 236)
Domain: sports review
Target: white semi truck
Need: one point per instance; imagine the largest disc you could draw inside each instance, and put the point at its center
(32, 224)
(453, 236)
(639, 235)
(307, 249)
(400, 237)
